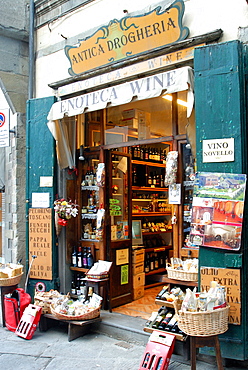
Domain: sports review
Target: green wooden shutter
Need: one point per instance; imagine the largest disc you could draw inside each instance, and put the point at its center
(40, 161)
(220, 113)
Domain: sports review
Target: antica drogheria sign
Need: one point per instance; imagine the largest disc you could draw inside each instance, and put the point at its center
(128, 37)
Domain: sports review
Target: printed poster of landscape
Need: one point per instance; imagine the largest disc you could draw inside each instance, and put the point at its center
(217, 210)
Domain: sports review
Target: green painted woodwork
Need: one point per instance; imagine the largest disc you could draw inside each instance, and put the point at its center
(220, 113)
(40, 161)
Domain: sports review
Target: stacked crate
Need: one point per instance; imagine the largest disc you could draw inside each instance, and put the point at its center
(138, 257)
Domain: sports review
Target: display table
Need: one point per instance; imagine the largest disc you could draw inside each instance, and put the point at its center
(75, 328)
(6, 290)
(198, 342)
(97, 285)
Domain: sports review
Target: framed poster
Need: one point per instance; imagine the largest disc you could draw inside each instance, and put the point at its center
(217, 210)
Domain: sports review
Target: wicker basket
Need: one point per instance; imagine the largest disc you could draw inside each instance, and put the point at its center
(11, 281)
(87, 316)
(45, 299)
(181, 274)
(204, 324)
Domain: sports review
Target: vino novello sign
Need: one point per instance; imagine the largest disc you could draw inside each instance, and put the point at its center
(127, 37)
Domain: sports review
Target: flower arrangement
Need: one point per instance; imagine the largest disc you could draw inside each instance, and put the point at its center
(65, 209)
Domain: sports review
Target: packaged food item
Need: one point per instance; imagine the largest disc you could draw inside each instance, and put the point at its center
(171, 168)
(190, 301)
(100, 174)
(205, 301)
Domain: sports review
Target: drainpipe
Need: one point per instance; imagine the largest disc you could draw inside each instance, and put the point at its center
(31, 50)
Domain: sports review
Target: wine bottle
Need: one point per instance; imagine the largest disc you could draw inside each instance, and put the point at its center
(151, 262)
(83, 289)
(78, 285)
(171, 323)
(85, 264)
(149, 180)
(74, 257)
(154, 179)
(157, 180)
(156, 262)
(147, 263)
(160, 362)
(146, 155)
(165, 321)
(79, 257)
(151, 319)
(90, 260)
(146, 360)
(73, 287)
(134, 176)
(160, 317)
(162, 291)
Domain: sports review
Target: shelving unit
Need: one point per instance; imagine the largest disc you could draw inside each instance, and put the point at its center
(150, 205)
(179, 337)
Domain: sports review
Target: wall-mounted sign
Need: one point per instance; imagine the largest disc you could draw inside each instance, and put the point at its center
(46, 181)
(122, 256)
(40, 200)
(124, 274)
(175, 194)
(4, 127)
(230, 279)
(128, 37)
(218, 150)
(152, 64)
(180, 79)
(40, 243)
(217, 210)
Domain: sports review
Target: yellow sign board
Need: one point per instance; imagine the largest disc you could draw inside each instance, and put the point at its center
(230, 278)
(40, 243)
(128, 37)
(122, 256)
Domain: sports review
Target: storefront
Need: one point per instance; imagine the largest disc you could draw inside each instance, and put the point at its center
(133, 117)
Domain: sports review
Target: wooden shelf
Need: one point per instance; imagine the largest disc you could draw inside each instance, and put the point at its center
(180, 337)
(79, 269)
(180, 282)
(146, 188)
(160, 302)
(143, 214)
(158, 271)
(151, 164)
(158, 249)
(156, 232)
(148, 199)
(152, 285)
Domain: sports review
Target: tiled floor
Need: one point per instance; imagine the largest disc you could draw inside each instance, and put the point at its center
(142, 307)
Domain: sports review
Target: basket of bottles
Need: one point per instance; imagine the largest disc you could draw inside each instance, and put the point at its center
(68, 309)
(204, 314)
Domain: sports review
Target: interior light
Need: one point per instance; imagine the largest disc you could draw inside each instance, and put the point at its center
(179, 101)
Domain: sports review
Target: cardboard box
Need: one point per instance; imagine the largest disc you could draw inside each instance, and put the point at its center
(138, 292)
(138, 255)
(138, 268)
(138, 280)
(134, 113)
(130, 122)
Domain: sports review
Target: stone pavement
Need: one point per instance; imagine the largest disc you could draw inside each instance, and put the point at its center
(51, 351)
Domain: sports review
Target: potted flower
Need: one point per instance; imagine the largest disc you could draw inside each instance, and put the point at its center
(65, 209)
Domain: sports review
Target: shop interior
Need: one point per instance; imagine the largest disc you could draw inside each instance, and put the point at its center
(138, 135)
